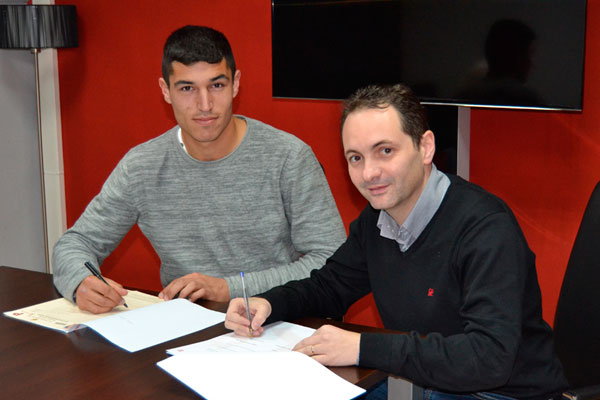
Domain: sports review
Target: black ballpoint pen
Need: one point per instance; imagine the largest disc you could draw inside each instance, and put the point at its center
(89, 266)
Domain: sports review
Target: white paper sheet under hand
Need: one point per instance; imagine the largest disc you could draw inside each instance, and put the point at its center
(278, 336)
(279, 375)
(149, 326)
(62, 315)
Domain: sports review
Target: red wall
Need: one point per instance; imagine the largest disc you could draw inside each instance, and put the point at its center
(543, 164)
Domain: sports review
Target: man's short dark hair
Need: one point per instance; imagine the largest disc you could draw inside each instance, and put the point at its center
(412, 114)
(191, 44)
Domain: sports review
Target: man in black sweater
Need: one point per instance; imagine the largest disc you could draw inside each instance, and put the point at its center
(446, 262)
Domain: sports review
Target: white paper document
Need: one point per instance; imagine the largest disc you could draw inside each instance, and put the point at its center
(145, 327)
(147, 322)
(277, 375)
(278, 336)
(62, 315)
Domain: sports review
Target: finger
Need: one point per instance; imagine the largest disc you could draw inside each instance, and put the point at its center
(108, 294)
(117, 286)
(172, 289)
(257, 322)
(238, 324)
(197, 294)
(236, 317)
(309, 350)
(305, 343)
(89, 304)
(236, 312)
(89, 298)
(193, 290)
(260, 309)
(91, 307)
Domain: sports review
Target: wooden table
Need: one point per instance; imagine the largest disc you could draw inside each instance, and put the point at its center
(40, 363)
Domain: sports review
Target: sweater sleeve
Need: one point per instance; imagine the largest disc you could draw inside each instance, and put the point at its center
(315, 224)
(491, 261)
(105, 221)
(329, 291)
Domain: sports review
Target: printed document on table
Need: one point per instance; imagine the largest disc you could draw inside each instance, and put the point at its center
(278, 336)
(145, 327)
(63, 315)
(147, 322)
(278, 375)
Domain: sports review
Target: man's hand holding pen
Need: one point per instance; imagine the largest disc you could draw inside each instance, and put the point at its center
(237, 316)
(97, 297)
(329, 345)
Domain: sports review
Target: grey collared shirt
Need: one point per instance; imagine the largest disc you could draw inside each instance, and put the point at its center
(426, 206)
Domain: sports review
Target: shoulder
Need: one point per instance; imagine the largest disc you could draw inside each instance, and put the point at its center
(469, 196)
(147, 152)
(146, 158)
(263, 134)
(468, 205)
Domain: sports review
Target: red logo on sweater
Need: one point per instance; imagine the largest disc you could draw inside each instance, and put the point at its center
(430, 292)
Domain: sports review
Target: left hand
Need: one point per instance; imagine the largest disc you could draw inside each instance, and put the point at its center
(331, 346)
(196, 286)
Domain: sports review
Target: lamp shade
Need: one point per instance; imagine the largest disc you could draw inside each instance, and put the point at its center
(38, 26)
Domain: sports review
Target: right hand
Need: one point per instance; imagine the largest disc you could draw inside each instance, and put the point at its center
(97, 297)
(236, 318)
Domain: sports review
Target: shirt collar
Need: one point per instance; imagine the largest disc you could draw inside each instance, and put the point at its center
(426, 206)
(180, 138)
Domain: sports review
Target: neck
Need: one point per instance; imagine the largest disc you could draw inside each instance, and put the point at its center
(215, 150)
(402, 211)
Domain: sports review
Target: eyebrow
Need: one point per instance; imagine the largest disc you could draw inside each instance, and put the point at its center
(216, 78)
(180, 83)
(381, 143)
(376, 145)
(222, 76)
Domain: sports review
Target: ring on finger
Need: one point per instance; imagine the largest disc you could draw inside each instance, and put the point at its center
(312, 350)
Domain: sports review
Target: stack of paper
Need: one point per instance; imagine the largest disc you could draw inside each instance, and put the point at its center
(264, 367)
(279, 375)
(279, 336)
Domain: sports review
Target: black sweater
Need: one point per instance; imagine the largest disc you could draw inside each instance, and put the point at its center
(466, 291)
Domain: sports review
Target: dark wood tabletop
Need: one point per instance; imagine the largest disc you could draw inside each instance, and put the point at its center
(40, 363)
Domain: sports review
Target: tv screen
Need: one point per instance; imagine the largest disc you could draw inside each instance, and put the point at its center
(486, 53)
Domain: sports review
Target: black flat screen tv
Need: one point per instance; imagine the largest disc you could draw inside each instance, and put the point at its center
(482, 53)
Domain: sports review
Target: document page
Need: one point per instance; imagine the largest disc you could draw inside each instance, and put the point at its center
(64, 316)
(278, 336)
(145, 327)
(277, 375)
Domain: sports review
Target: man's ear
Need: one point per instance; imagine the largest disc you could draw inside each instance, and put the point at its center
(236, 82)
(427, 147)
(164, 88)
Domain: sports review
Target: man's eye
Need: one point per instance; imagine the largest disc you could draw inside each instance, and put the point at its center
(218, 85)
(354, 159)
(186, 88)
(386, 150)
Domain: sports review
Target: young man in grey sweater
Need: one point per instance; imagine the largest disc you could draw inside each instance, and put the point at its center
(215, 195)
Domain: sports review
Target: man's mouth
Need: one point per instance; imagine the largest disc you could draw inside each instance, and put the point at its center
(204, 120)
(377, 189)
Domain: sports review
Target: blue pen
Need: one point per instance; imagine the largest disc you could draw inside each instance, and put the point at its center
(89, 266)
(247, 303)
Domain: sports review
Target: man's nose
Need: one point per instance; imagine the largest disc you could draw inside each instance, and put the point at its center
(204, 101)
(371, 171)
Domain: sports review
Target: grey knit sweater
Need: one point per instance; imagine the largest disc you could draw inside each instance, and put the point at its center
(264, 209)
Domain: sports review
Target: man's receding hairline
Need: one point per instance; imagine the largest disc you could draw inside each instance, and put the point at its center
(383, 106)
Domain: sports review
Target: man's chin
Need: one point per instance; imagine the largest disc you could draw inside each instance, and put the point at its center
(377, 205)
